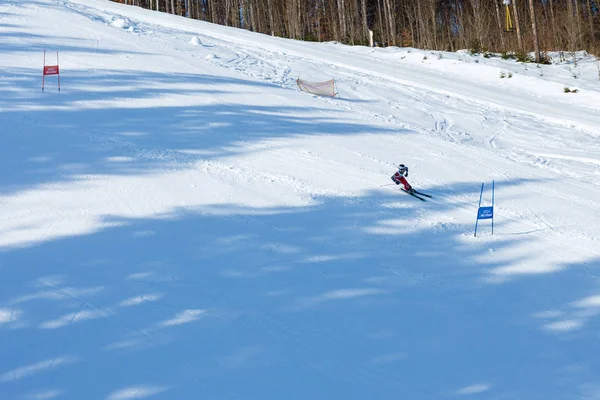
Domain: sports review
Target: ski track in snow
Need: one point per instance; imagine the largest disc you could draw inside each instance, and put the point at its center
(253, 64)
(182, 223)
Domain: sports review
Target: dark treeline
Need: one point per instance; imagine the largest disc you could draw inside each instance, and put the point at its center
(482, 25)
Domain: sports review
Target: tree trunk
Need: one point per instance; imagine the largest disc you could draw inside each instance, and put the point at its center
(555, 30)
(271, 21)
(342, 17)
(422, 43)
(449, 33)
(390, 21)
(500, 29)
(252, 16)
(518, 25)
(365, 24)
(227, 11)
(591, 19)
(433, 23)
(382, 23)
(578, 17)
(536, 39)
(213, 11)
(318, 21)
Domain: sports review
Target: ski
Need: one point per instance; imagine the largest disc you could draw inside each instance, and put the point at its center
(413, 194)
(422, 194)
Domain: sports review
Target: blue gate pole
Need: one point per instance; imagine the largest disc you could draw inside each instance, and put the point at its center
(477, 220)
(493, 207)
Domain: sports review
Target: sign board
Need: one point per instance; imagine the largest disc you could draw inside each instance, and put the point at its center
(485, 213)
(51, 70)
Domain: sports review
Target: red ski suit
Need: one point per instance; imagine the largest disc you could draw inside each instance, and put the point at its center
(398, 178)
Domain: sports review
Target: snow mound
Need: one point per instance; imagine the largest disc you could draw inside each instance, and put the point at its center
(123, 23)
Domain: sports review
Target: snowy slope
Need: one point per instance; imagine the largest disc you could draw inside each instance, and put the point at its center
(180, 222)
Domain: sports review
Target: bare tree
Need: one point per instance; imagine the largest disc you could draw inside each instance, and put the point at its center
(435, 24)
(517, 25)
(365, 25)
(341, 6)
(536, 40)
(500, 29)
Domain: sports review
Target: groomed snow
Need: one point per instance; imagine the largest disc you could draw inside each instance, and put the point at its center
(181, 222)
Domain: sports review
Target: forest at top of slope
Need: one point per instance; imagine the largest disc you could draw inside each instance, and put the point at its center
(512, 27)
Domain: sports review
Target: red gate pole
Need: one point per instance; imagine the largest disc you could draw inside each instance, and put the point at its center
(58, 76)
(44, 71)
(50, 70)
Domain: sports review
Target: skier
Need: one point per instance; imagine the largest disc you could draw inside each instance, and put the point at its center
(400, 177)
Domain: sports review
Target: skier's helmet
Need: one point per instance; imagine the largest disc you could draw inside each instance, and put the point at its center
(401, 166)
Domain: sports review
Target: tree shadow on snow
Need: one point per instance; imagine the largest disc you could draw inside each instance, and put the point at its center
(374, 296)
(348, 298)
(106, 134)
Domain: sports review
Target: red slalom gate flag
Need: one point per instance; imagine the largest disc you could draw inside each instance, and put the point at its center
(50, 70)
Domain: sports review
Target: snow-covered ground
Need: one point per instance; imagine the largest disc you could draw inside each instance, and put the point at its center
(181, 222)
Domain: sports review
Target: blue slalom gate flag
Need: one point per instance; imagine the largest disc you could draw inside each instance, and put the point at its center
(485, 212)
